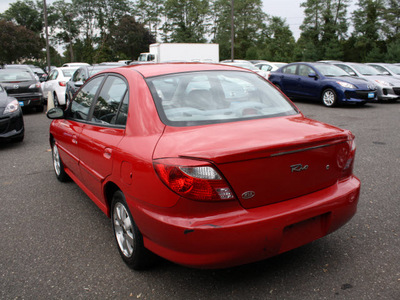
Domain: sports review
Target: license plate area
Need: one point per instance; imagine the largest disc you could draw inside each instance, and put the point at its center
(21, 103)
(371, 95)
(304, 232)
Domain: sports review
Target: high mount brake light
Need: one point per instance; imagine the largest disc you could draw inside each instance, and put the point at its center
(192, 179)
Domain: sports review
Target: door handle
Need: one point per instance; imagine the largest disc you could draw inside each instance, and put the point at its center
(107, 153)
(75, 139)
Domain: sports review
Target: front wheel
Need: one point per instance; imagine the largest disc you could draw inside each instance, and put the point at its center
(329, 98)
(55, 99)
(58, 165)
(127, 235)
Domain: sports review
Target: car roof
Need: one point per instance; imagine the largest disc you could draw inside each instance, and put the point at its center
(151, 70)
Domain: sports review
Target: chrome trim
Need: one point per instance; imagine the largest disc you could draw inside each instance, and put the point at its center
(301, 150)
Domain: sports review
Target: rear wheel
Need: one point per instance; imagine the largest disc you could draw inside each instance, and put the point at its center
(329, 98)
(40, 108)
(127, 235)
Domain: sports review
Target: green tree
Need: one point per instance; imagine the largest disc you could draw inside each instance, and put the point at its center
(150, 12)
(324, 28)
(86, 19)
(280, 41)
(249, 24)
(391, 16)
(64, 25)
(186, 21)
(368, 29)
(18, 42)
(393, 52)
(25, 13)
(130, 38)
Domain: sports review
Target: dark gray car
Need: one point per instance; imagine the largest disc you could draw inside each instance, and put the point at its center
(22, 85)
(11, 119)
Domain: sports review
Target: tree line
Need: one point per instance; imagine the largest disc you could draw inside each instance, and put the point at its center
(108, 30)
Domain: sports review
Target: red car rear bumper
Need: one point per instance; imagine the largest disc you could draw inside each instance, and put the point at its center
(237, 235)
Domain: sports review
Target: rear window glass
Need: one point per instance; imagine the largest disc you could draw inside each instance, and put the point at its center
(189, 99)
(69, 73)
(15, 75)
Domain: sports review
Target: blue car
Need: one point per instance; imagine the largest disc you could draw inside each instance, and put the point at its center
(323, 82)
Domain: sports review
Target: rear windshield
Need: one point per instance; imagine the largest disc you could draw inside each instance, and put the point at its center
(189, 99)
(15, 75)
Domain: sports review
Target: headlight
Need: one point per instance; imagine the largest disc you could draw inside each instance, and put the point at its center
(346, 85)
(384, 83)
(35, 85)
(11, 107)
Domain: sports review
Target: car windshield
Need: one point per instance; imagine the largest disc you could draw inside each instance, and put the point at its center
(97, 69)
(197, 98)
(394, 69)
(278, 65)
(366, 70)
(331, 71)
(15, 75)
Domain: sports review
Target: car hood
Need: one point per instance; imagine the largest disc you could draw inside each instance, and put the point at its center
(394, 81)
(361, 83)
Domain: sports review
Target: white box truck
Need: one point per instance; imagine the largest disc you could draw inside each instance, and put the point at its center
(188, 52)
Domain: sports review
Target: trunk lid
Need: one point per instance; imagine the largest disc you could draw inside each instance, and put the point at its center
(265, 161)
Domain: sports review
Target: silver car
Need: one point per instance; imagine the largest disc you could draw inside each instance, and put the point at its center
(387, 69)
(388, 88)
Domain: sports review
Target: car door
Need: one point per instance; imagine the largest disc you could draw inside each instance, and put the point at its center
(47, 86)
(289, 80)
(307, 82)
(102, 134)
(70, 128)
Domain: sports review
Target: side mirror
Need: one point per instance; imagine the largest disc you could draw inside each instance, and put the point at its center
(313, 75)
(55, 113)
(78, 83)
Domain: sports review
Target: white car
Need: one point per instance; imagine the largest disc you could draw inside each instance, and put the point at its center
(269, 67)
(245, 64)
(75, 64)
(56, 83)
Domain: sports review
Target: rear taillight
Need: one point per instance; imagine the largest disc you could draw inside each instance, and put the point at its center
(346, 157)
(192, 179)
(62, 83)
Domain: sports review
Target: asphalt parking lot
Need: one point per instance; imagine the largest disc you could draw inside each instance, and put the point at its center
(56, 243)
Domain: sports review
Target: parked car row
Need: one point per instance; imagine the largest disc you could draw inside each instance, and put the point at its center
(335, 82)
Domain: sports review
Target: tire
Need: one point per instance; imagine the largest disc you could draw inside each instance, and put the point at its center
(18, 139)
(55, 99)
(329, 98)
(127, 235)
(278, 86)
(40, 108)
(58, 165)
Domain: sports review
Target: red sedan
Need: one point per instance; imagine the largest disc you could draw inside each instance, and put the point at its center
(206, 165)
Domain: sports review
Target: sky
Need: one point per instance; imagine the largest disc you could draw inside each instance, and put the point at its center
(287, 9)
